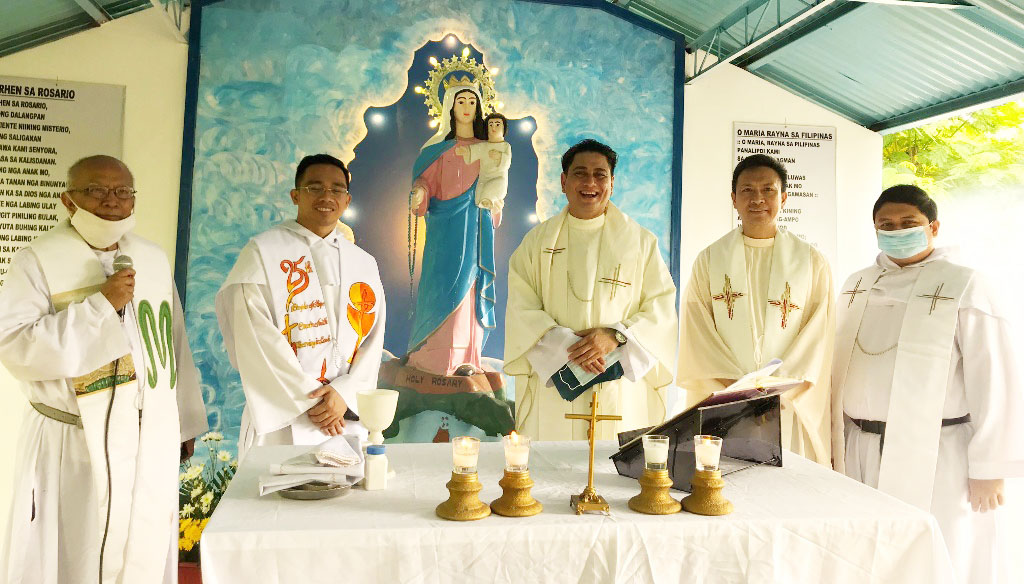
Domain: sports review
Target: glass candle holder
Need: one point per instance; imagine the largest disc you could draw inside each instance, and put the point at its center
(517, 452)
(707, 450)
(655, 452)
(465, 451)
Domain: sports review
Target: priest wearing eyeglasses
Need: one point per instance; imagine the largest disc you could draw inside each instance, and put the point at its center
(100, 350)
(302, 314)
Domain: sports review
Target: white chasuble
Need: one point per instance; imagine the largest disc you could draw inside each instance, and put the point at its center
(750, 301)
(122, 381)
(298, 312)
(615, 278)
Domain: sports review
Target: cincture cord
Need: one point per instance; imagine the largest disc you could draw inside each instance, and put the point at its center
(106, 455)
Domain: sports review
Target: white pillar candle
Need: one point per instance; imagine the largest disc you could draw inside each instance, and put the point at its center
(465, 451)
(517, 452)
(655, 451)
(708, 451)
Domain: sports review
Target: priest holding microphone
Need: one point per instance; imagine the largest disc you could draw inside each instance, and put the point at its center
(100, 350)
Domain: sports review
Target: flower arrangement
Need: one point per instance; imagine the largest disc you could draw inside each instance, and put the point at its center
(200, 488)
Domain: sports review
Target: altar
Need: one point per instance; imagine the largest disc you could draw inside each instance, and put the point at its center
(799, 523)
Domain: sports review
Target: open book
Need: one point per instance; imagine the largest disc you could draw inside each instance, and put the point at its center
(754, 384)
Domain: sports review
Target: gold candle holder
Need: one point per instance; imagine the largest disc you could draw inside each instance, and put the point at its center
(654, 498)
(516, 500)
(706, 497)
(463, 502)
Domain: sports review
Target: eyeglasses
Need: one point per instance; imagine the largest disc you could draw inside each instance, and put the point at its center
(317, 190)
(100, 193)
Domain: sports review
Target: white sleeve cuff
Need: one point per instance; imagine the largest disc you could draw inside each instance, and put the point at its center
(551, 353)
(636, 361)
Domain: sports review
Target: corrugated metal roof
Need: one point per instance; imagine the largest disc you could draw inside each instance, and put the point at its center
(27, 23)
(879, 65)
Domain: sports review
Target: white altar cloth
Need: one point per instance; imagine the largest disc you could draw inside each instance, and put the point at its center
(800, 523)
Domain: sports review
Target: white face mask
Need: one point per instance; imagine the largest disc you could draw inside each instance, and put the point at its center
(98, 232)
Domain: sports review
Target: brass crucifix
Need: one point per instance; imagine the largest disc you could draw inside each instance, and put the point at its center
(589, 500)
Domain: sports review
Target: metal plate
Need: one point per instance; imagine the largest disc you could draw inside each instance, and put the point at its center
(315, 490)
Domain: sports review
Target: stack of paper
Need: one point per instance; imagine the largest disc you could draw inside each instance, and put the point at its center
(337, 461)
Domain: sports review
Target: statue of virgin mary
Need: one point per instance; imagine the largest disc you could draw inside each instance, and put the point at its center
(455, 296)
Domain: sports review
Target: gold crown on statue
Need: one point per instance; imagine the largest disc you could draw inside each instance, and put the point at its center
(476, 77)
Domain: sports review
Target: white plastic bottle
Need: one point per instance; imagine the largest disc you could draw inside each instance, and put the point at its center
(376, 469)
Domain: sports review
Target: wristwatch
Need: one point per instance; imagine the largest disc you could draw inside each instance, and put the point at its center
(619, 337)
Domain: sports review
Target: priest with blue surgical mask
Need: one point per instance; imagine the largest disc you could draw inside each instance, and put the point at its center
(927, 383)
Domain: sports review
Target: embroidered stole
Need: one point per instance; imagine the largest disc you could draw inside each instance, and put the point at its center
(920, 375)
(146, 461)
(788, 289)
(306, 310)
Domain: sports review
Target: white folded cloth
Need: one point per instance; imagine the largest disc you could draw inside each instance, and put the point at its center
(339, 451)
(336, 461)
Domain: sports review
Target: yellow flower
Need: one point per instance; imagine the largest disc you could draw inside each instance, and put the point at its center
(193, 472)
(215, 436)
(224, 456)
(206, 501)
(186, 510)
(196, 492)
(194, 531)
(186, 529)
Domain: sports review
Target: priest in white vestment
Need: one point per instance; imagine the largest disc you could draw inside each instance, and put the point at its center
(114, 398)
(928, 384)
(583, 284)
(302, 313)
(757, 294)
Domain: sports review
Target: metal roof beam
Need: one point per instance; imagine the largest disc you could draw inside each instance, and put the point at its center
(757, 57)
(762, 22)
(1008, 13)
(94, 10)
(980, 98)
(999, 27)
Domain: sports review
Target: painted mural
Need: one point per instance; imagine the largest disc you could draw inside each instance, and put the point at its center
(371, 82)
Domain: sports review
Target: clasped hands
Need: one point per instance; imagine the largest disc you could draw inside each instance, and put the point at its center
(329, 414)
(589, 352)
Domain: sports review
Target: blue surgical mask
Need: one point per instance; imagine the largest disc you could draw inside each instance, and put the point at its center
(903, 243)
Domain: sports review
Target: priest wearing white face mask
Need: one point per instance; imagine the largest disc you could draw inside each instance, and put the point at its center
(928, 384)
(114, 396)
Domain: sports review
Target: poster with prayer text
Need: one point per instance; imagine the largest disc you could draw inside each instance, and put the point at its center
(809, 155)
(45, 126)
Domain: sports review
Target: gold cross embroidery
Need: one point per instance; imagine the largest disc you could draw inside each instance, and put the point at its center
(785, 304)
(728, 296)
(935, 298)
(615, 282)
(856, 290)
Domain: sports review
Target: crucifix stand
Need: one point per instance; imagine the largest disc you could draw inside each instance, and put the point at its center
(589, 500)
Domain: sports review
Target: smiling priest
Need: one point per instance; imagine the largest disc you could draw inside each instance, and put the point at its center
(591, 307)
(928, 380)
(757, 294)
(302, 313)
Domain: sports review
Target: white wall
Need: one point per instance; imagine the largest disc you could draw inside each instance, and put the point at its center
(728, 94)
(140, 52)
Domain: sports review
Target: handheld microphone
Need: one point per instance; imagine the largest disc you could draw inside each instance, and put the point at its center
(122, 262)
